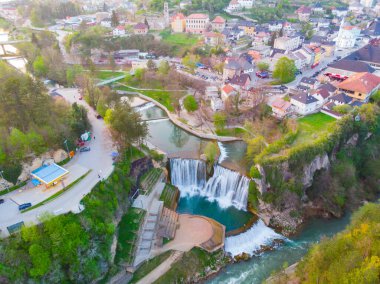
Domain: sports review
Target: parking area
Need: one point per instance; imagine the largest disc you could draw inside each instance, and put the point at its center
(37, 194)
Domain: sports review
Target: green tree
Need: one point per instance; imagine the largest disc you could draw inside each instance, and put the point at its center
(151, 65)
(163, 67)
(262, 66)
(284, 70)
(190, 61)
(190, 103)
(126, 125)
(307, 30)
(39, 67)
(40, 260)
(72, 72)
(114, 19)
(211, 151)
(343, 109)
(220, 120)
(255, 146)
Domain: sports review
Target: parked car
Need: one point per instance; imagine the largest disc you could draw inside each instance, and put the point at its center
(98, 116)
(262, 75)
(24, 206)
(85, 149)
(1, 201)
(80, 98)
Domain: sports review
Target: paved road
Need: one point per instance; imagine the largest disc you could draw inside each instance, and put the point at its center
(98, 159)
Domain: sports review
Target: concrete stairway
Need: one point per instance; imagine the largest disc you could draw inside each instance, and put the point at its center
(148, 234)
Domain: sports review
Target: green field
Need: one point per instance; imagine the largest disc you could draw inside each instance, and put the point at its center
(313, 126)
(232, 132)
(104, 75)
(162, 97)
(180, 41)
(170, 196)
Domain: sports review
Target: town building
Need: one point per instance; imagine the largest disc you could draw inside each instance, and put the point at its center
(347, 36)
(227, 91)
(280, 108)
(304, 103)
(369, 54)
(340, 12)
(140, 29)
(360, 86)
(241, 82)
(237, 5)
(287, 43)
(367, 3)
(303, 13)
(345, 68)
(118, 31)
(197, 23)
(178, 23)
(218, 24)
(213, 39)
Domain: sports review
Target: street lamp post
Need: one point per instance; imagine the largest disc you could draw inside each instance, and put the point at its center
(67, 148)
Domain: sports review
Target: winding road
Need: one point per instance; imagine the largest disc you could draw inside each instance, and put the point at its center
(99, 160)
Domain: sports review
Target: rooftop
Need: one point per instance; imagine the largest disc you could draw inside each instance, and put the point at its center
(49, 173)
(361, 82)
(197, 16)
(219, 20)
(368, 53)
(352, 65)
(304, 98)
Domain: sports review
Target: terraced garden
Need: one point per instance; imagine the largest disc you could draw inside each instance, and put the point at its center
(170, 196)
(150, 179)
(128, 235)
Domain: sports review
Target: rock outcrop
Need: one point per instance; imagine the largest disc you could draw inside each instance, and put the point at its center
(320, 162)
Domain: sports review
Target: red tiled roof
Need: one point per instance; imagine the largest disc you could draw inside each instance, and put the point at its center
(361, 82)
(303, 10)
(228, 89)
(219, 20)
(178, 16)
(197, 16)
(281, 104)
(140, 26)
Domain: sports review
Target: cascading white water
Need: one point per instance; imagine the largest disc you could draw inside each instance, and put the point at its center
(223, 152)
(188, 173)
(252, 240)
(144, 106)
(227, 187)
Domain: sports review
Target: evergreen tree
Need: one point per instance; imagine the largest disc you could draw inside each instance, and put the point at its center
(114, 19)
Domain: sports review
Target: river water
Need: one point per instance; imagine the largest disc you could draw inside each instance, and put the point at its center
(259, 268)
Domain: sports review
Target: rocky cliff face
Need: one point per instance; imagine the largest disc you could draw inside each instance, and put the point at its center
(287, 216)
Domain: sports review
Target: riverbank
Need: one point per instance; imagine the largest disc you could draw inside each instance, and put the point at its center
(176, 120)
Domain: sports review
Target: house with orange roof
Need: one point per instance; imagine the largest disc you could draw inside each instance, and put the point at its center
(281, 108)
(227, 91)
(178, 23)
(197, 23)
(360, 86)
(303, 13)
(218, 24)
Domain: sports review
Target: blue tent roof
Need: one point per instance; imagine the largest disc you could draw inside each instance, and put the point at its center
(49, 173)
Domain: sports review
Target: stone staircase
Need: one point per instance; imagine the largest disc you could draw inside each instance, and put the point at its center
(149, 231)
(168, 224)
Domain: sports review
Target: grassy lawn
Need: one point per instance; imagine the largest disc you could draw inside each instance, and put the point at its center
(180, 41)
(314, 125)
(148, 266)
(170, 196)
(162, 97)
(231, 132)
(104, 75)
(128, 234)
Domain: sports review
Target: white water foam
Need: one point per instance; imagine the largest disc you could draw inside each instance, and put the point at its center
(252, 240)
(156, 120)
(227, 187)
(223, 152)
(144, 107)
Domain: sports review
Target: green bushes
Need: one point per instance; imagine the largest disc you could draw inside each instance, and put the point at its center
(253, 195)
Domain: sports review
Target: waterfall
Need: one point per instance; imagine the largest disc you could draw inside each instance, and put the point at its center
(188, 173)
(223, 152)
(252, 240)
(144, 106)
(227, 187)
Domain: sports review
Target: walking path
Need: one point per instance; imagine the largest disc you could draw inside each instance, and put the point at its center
(182, 125)
(161, 269)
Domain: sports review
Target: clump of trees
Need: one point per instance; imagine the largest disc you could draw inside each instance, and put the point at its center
(72, 247)
(45, 12)
(190, 103)
(352, 256)
(31, 121)
(284, 70)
